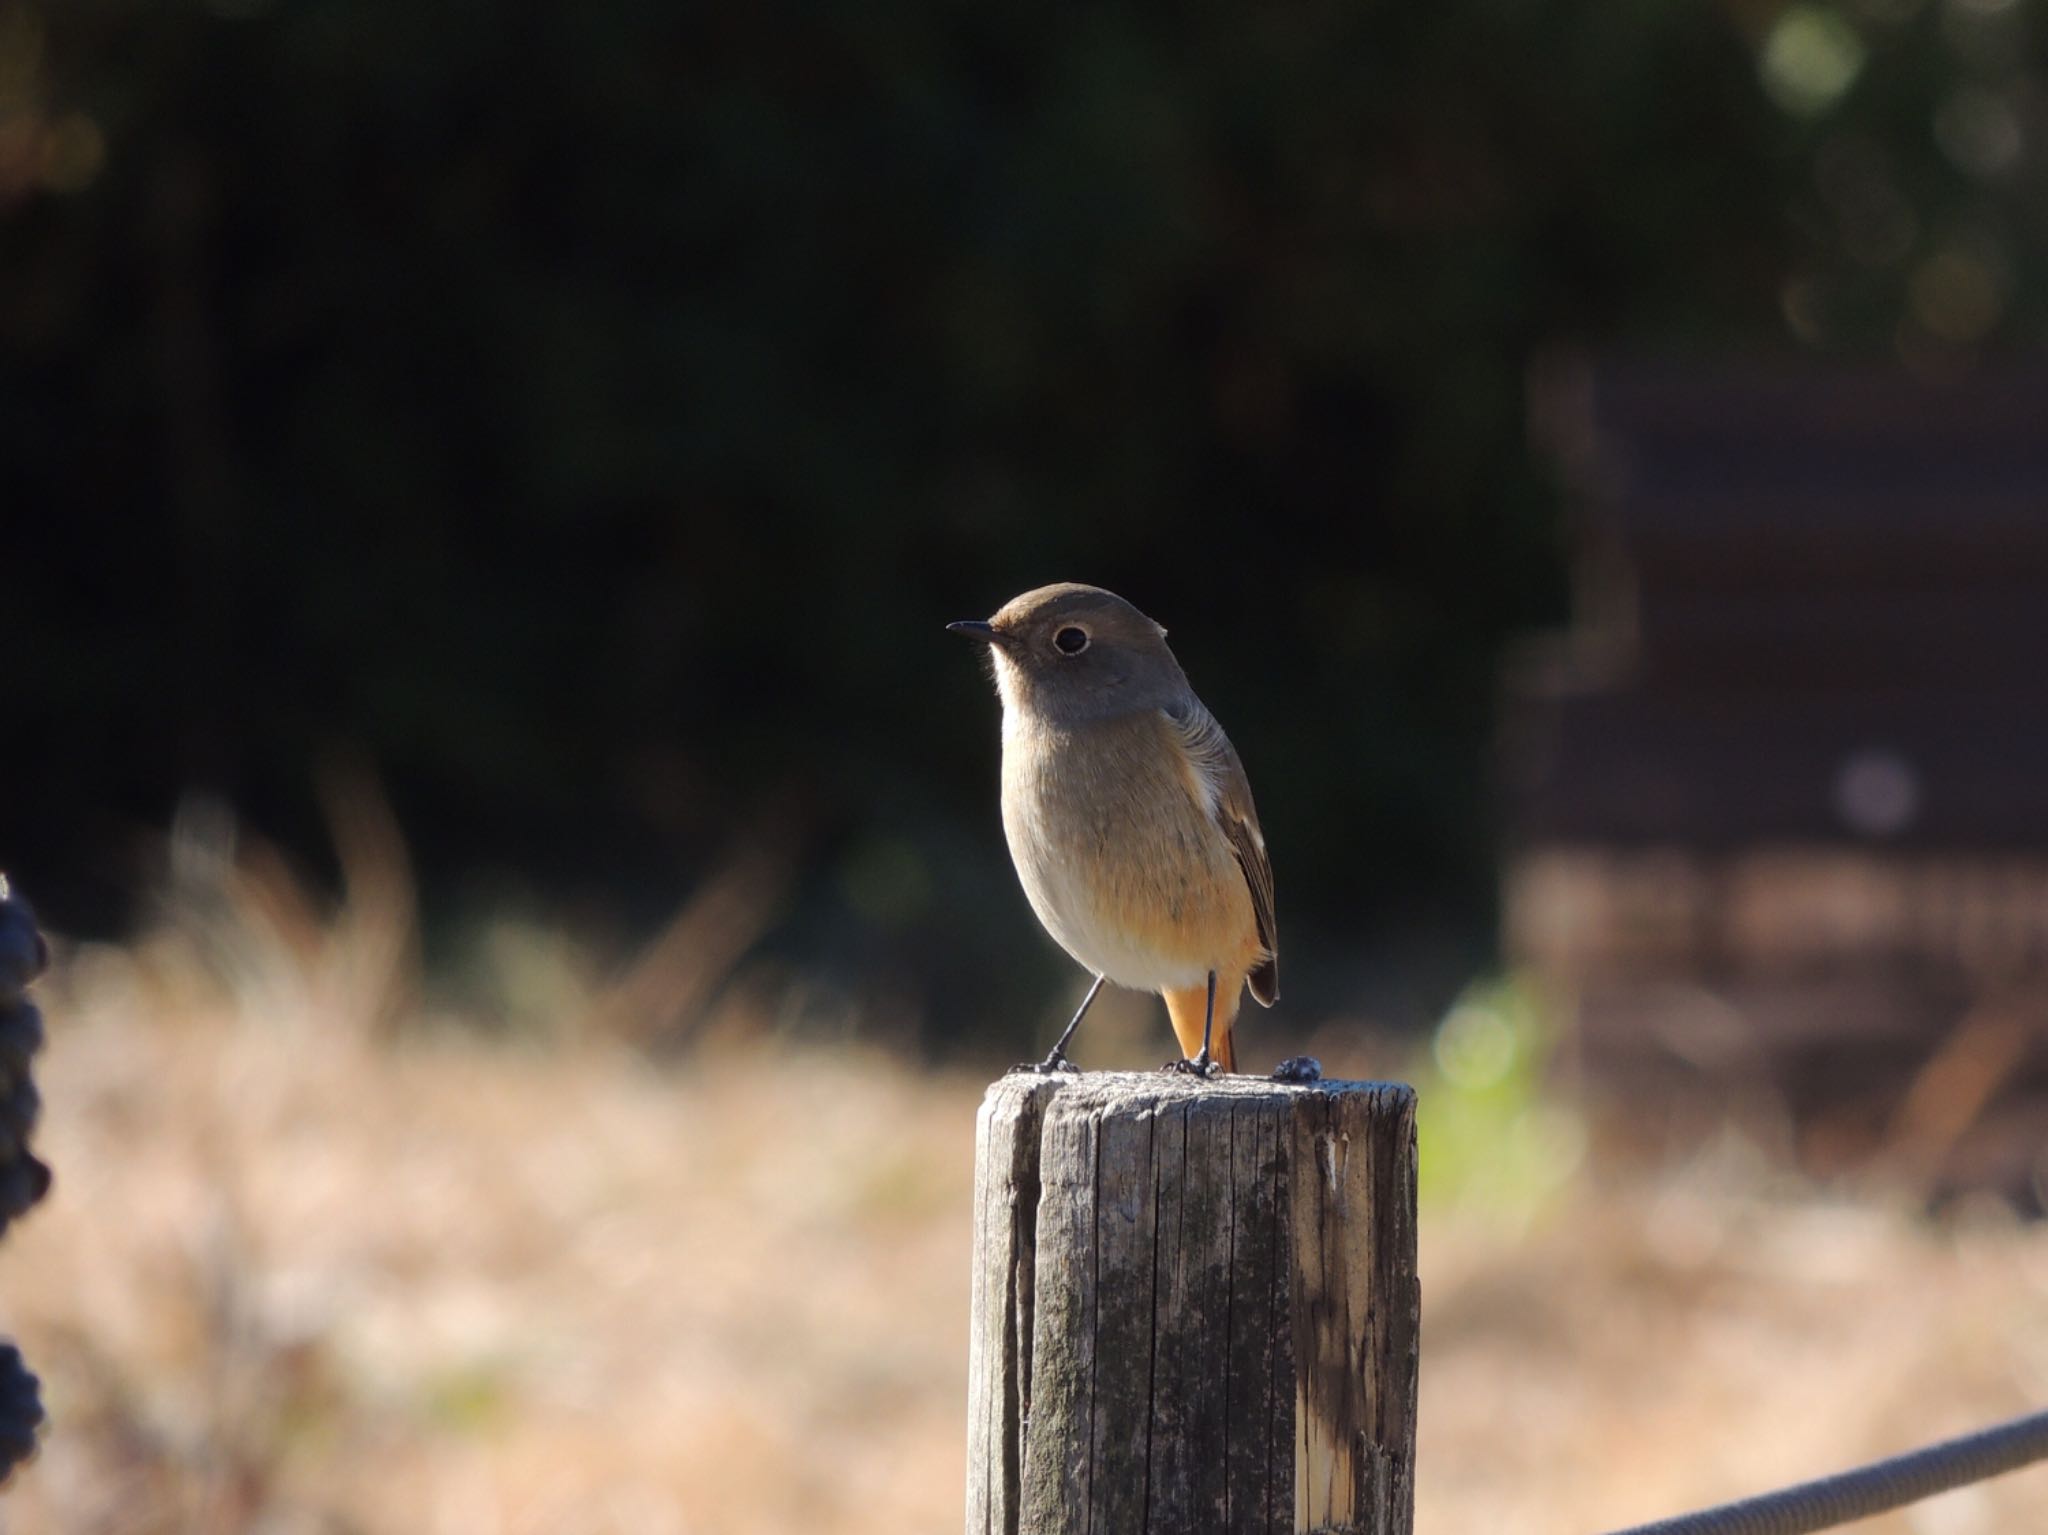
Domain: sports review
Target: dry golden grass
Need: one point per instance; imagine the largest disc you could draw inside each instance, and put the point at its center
(295, 1280)
(301, 1275)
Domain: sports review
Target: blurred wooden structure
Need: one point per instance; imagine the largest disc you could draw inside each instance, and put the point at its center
(1782, 795)
(1195, 1307)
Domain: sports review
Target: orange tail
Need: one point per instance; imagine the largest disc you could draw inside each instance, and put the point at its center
(1186, 1007)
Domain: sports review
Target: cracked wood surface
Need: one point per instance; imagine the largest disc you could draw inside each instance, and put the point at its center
(1195, 1308)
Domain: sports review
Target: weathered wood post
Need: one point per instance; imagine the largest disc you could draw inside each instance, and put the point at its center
(1195, 1308)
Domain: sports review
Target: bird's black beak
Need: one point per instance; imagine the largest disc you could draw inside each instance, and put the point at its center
(974, 629)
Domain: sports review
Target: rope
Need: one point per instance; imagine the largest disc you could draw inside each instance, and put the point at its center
(1872, 1489)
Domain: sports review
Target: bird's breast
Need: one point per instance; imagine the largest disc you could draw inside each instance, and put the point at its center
(1119, 854)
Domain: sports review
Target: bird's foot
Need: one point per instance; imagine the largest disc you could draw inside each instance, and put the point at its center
(1053, 1065)
(1299, 1068)
(1196, 1066)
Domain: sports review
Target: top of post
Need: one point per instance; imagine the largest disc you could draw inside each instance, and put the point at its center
(1168, 1087)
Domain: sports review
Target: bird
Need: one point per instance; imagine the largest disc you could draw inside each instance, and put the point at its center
(1129, 817)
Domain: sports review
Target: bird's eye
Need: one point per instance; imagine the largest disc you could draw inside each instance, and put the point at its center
(1071, 641)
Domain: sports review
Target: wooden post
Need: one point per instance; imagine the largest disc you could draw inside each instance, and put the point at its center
(1195, 1308)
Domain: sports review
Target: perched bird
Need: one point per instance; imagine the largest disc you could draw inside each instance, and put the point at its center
(1128, 815)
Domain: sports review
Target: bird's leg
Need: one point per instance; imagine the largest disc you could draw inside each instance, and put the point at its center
(1201, 1065)
(1057, 1060)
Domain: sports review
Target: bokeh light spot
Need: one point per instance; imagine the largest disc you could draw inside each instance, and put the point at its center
(1475, 1046)
(1979, 131)
(1958, 294)
(1811, 56)
(1877, 792)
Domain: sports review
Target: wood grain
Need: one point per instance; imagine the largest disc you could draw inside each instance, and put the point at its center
(1195, 1308)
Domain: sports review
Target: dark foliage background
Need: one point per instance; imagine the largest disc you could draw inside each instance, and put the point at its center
(586, 416)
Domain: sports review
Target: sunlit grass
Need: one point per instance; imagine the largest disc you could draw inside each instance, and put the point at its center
(1494, 1135)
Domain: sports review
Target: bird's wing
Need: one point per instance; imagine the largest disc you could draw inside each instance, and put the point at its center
(1228, 796)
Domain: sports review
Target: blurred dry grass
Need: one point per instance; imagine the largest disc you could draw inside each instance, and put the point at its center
(311, 1268)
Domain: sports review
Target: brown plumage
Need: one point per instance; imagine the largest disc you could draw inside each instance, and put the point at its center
(1128, 813)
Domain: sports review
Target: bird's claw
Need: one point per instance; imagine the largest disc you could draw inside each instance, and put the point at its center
(1197, 1066)
(1053, 1065)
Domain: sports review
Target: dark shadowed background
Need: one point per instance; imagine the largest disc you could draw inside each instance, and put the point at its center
(578, 421)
